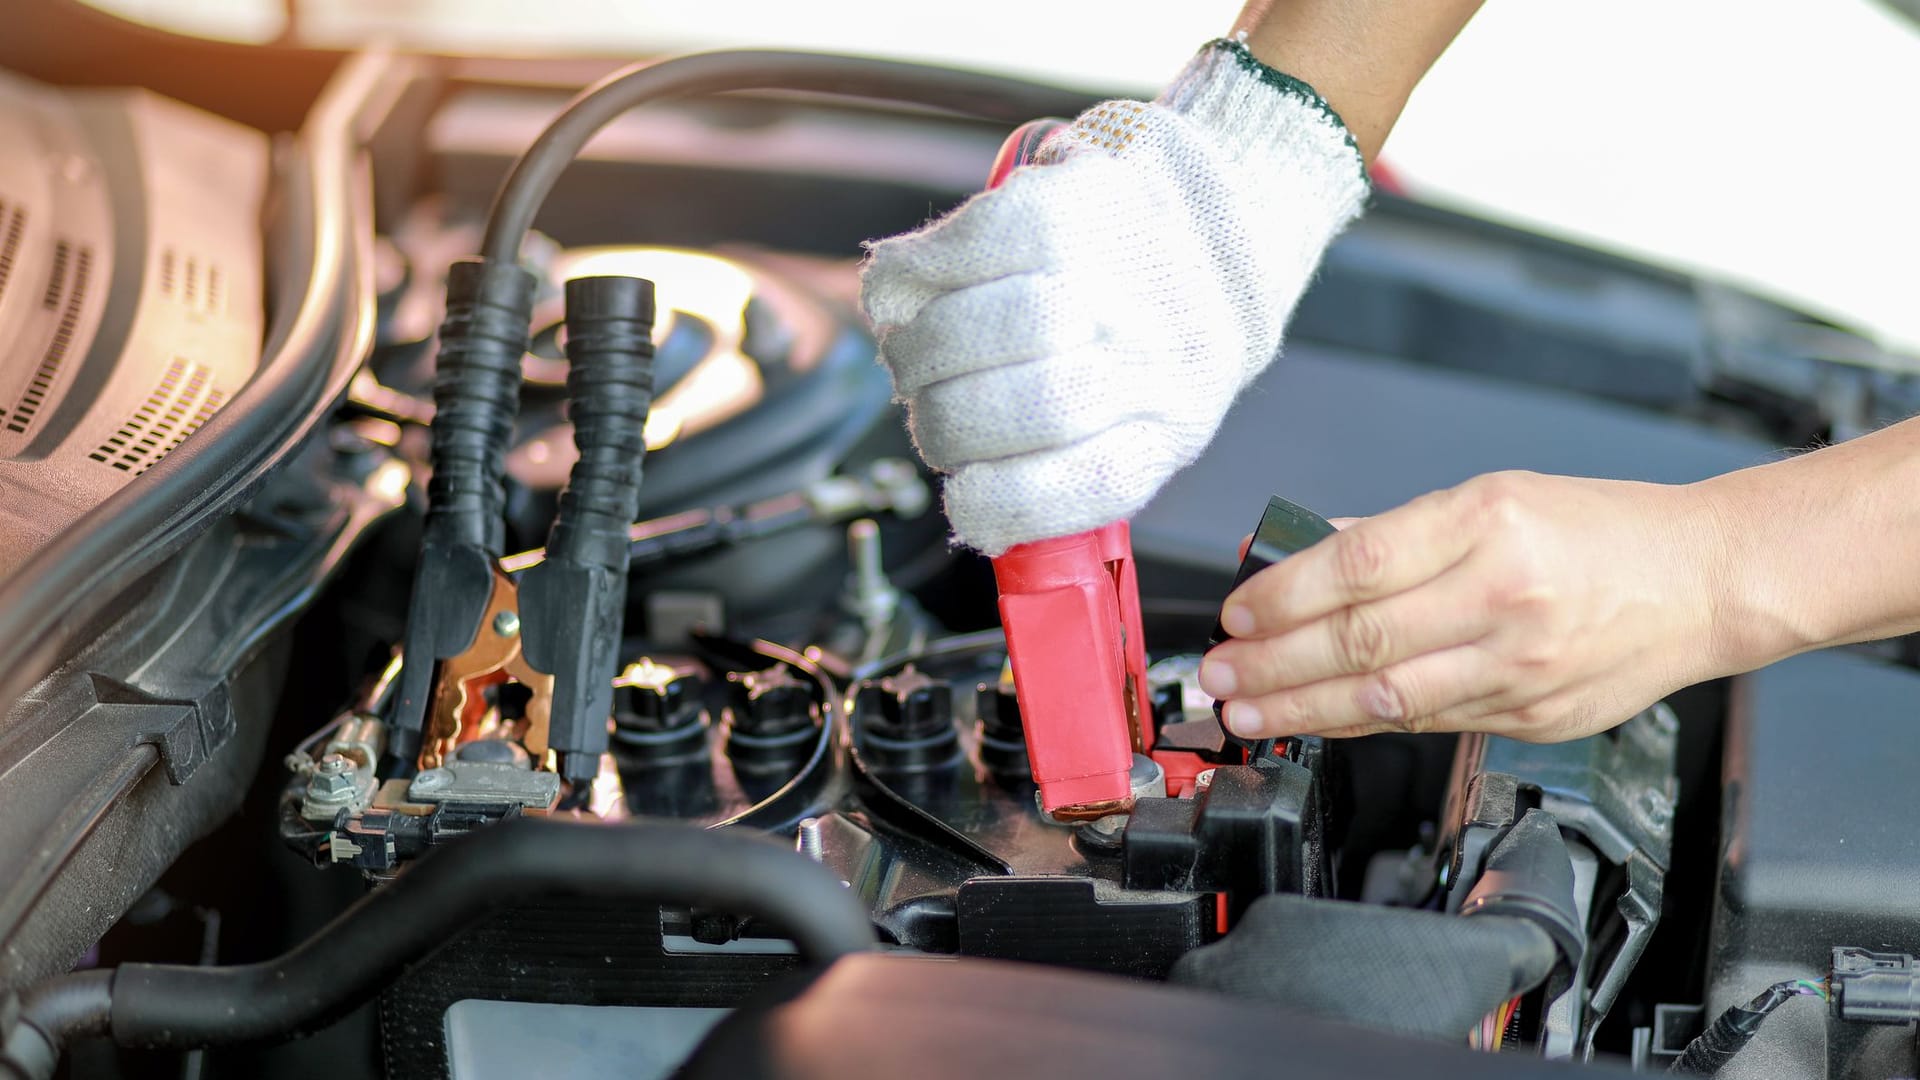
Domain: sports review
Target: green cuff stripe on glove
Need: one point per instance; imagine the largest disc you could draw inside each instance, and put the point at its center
(1282, 82)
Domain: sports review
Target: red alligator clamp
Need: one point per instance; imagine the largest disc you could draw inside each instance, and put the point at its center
(1071, 609)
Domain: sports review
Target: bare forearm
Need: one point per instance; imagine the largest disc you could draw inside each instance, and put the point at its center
(1820, 549)
(1363, 56)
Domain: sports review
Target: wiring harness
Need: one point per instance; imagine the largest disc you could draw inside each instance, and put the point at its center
(1734, 1029)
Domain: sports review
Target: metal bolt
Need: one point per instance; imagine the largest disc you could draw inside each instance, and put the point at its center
(869, 573)
(1147, 778)
(1105, 832)
(870, 596)
(1654, 810)
(332, 781)
(432, 778)
(507, 623)
(807, 840)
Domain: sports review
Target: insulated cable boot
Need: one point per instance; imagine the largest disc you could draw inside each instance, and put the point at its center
(476, 391)
(573, 603)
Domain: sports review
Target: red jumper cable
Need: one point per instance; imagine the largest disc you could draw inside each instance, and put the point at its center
(1071, 609)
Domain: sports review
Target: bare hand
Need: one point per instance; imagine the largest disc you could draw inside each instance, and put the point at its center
(1541, 607)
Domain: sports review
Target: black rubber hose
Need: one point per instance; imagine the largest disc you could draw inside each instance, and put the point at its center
(52, 1013)
(1529, 875)
(72, 1007)
(533, 176)
(163, 1006)
(1731, 1031)
(1391, 969)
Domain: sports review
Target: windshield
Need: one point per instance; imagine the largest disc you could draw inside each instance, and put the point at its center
(1769, 142)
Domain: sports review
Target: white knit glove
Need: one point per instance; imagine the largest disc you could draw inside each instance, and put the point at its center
(1068, 341)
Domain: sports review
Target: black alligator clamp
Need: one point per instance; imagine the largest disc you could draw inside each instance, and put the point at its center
(470, 626)
(572, 604)
(1285, 529)
(461, 620)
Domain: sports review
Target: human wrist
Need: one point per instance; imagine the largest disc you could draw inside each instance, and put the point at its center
(1364, 56)
(1368, 111)
(1757, 611)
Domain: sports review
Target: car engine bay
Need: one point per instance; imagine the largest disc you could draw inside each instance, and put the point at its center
(310, 765)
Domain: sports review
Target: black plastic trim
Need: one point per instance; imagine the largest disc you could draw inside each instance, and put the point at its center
(321, 329)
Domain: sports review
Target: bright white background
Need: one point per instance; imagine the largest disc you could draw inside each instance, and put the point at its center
(1771, 142)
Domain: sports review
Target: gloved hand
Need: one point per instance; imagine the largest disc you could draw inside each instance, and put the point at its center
(1068, 341)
